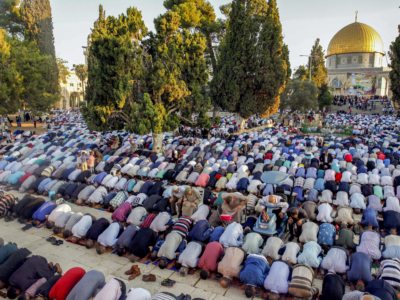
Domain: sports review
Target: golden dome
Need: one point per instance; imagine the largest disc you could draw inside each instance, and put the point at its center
(356, 38)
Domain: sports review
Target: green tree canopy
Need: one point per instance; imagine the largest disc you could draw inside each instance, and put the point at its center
(22, 77)
(251, 71)
(82, 73)
(38, 26)
(299, 95)
(325, 97)
(63, 69)
(10, 18)
(394, 75)
(144, 85)
(319, 72)
(115, 61)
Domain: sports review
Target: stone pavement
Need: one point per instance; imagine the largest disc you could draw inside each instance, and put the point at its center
(69, 255)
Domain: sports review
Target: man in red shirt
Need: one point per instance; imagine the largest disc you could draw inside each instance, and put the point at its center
(66, 283)
(208, 261)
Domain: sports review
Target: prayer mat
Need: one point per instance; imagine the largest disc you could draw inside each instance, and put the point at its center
(58, 235)
(80, 243)
(30, 223)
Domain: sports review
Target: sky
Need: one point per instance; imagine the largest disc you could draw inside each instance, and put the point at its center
(303, 21)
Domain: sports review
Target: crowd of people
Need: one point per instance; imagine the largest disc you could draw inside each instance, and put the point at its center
(201, 203)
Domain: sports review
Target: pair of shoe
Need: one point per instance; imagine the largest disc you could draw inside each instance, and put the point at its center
(149, 278)
(8, 219)
(182, 296)
(134, 272)
(54, 241)
(168, 282)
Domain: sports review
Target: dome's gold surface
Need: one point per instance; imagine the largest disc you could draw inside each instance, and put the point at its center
(356, 38)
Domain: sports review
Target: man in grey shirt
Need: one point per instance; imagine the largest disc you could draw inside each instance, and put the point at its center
(98, 196)
(162, 222)
(137, 216)
(125, 239)
(61, 222)
(86, 288)
(85, 194)
(75, 218)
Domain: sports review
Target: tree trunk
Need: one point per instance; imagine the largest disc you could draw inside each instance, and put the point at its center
(157, 142)
(214, 110)
(241, 121)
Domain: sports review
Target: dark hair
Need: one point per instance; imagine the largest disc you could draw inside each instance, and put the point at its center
(35, 222)
(12, 293)
(294, 212)
(89, 244)
(203, 274)
(56, 230)
(22, 297)
(66, 234)
(121, 251)
(228, 200)
(153, 256)
(49, 225)
(249, 292)
(162, 264)
(100, 249)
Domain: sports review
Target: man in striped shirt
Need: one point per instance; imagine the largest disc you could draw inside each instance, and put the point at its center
(175, 241)
(7, 203)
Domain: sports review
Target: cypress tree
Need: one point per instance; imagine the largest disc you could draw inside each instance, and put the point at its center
(37, 19)
(394, 75)
(251, 72)
(319, 70)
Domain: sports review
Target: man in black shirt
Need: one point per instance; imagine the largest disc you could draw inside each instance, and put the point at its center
(142, 243)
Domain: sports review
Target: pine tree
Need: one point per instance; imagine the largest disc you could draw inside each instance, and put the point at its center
(176, 71)
(22, 77)
(394, 75)
(10, 18)
(251, 72)
(319, 72)
(142, 85)
(325, 97)
(38, 26)
(299, 95)
(115, 59)
(199, 15)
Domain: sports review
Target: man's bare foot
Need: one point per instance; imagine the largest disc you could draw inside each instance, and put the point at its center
(59, 270)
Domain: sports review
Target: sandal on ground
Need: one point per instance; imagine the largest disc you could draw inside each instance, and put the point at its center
(26, 227)
(51, 239)
(57, 243)
(9, 219)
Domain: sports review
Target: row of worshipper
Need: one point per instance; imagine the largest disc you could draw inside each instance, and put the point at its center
(26, 276)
